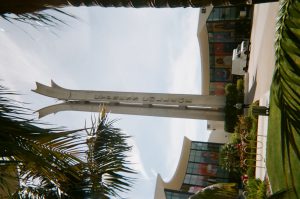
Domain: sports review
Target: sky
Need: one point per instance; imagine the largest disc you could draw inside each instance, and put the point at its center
(113, 49)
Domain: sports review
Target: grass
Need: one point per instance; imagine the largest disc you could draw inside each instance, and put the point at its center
(283, 140)
(284, 173)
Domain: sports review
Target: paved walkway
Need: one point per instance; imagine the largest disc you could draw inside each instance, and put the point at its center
(262, 59)
(261, 67)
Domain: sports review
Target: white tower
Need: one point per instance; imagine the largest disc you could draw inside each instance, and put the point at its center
(204, 107)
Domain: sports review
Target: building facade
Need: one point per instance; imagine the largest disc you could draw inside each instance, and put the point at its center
(220, 31)
(198, 167)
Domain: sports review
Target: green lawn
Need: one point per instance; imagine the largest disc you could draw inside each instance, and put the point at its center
(284, 172)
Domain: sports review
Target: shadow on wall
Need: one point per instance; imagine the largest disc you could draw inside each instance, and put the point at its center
(250, 95)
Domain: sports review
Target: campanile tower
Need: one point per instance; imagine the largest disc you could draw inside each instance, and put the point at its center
(205, 107)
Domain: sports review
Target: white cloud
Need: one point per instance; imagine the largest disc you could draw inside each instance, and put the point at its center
(135, 159)
(17, 64)
(153, 172)
(186, 66)
(186, 78)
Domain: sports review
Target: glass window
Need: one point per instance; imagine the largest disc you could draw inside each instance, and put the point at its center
(217, 88)
(206, 169)
(221, 37)
(228, 13)
(206, 146)
(234, 14)
(195, 180)
(211, 48)
(216, 14)
(203, 181)
(187, 179)
(204, 156)
(214, 147)
(200, 146)
(193, 168)
(211, 60)
(220, 75)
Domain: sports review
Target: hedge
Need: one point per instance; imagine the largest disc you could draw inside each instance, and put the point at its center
(233, 96)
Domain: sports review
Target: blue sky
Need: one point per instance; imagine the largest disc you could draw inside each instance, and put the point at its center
(139, 50)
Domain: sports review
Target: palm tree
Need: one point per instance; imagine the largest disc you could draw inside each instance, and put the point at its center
(56, 160)
(38, 153)
(22, 7)
(106, 165)
(34, 10)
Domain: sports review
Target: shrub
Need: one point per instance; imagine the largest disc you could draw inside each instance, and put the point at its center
(244, 123)
(256, 189)
(233, 96)
(230, 88)
(230, 118)
(240, 90)
(230, 158)
(230, 110)
(235, 138)
(251, 172)
(240, 85)
(240, 97)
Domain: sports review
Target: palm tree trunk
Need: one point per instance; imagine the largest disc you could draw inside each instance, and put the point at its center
(31, 6)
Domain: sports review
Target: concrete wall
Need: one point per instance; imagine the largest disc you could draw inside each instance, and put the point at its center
(178, 177)
(219, 136)
(204, 49)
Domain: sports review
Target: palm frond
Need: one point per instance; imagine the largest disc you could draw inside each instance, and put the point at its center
(20, 7)
(285, 91)
(36, 151)
(106, 169)
(38, 19)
